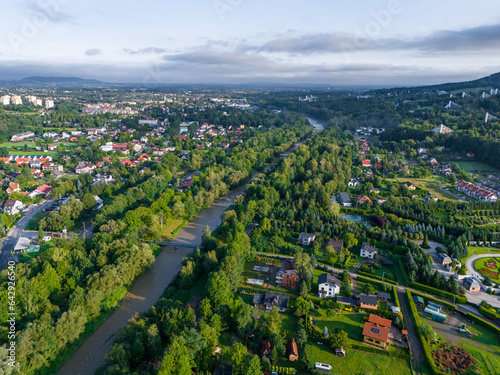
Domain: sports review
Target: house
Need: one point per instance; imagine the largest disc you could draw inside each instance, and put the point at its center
(13, 187)
(375, 335)
(353, 182)
(381, 200)
(306, 239)
(287, 278)
(476, 192)
(344, 200)
(346, 301)
(83, 170)
(107, 179)
(430, 198)
(368, 301)
(374, 190)
(12, 206)
(265, 349)
(41, 190)
(384, 296)
(471, 284)
(368, 251)
(269, 300)
(328, 286)
(444, 259)
(187, 181)
(409, 185)
(100, 202)
(291, 350)
(51, 147)
(379, 321)
(338, 245)
(366, 163)
(363, 199)
(52, 167)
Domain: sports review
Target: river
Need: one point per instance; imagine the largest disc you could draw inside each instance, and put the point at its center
(149, 286)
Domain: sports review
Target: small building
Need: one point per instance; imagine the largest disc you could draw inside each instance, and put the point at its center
(374, 334)
(379, 321)
(12, 206)
(269, 300)
(419, 301)
(287, 278)
(471, 284)
(444, 259)
(328, 286)
(344, 200)
(306, 239)
(291, 350)
(384, 296)
(265, 349)
(13, 187)
(346, 301)
(368, 251)
(409, 185)
(381, 200)
(368, 301)
(338, 245)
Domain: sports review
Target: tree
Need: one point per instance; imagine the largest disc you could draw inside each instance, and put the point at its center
(340, 340)
(253, 366)
(325, 332)
(350, 240)
(425, 243)
(88, 201)
(369, 289)
(302, 306)
(301, 335)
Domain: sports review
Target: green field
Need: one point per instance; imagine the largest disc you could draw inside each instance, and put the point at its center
(356, 362)
(473, 166)
(480, 266)
(169, 228)
(432, 184)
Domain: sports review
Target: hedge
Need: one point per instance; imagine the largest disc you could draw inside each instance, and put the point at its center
(450, 306)
(484, 323)
(347, 260)
(396, 298)
(377, 277)
(441, 293)
(489, 313)
(415, 318)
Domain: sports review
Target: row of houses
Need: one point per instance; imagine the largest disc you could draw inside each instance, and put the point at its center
(475, 192)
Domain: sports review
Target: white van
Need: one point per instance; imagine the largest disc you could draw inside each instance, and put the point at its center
(323, 366)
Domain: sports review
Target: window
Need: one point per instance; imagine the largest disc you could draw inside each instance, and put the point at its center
(376, 341)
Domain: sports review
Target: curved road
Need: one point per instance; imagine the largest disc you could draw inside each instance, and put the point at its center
(149, 286)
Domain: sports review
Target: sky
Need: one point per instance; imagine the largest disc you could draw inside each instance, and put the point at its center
(334, 42)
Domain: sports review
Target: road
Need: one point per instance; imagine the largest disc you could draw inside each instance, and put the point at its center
(17, 231)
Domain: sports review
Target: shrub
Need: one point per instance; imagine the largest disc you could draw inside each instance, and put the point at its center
(441, 293)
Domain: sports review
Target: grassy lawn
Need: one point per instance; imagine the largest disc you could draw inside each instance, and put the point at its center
(474, 250)
(41, 153)
(432, 184)
(480, 266)
(168, 228)
(35, 221)
(473, 166)
(356, 362)
(350, 322)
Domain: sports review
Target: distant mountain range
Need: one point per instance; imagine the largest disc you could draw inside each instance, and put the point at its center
(60, 82)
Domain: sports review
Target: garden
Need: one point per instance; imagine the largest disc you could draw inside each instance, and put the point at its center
(488, 267)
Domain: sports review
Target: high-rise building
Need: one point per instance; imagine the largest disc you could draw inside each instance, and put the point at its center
(16, 99)
(49, 104)
(5, 99)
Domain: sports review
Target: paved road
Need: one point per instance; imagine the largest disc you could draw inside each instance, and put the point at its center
(17, 231)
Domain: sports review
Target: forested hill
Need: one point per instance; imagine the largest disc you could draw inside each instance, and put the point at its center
(489, 81)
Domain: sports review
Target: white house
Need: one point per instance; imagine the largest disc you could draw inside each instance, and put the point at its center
(12, 206)
(306, 239)
(368, 251)
(328, 286)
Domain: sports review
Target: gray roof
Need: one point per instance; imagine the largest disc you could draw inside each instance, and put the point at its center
(369, 299)
(384, 295)
(327, 278)
(469, 281)
(344, 197)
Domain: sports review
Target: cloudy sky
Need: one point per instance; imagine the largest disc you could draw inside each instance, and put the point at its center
(338, 42)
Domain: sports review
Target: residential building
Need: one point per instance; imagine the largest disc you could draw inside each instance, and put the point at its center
(344, 200)
(368, 251)
(430, 198)
(41, 190)
(328, 286)
(49, 104)
(338, 245)
(291, 350)
(444, 259)
(377, 335)
(21, 136)
(287, 278)
(381, 200)
(52, 167)
(13, 187)
(5, 99)
(12, 206)
(476, 192)
(409, 185)
(441, 129)
(269, 300)
(368, 301)
(306, 239)
(363, 199)
(471, 284)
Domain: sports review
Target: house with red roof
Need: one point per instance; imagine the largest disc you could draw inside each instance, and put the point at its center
(366, 163)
